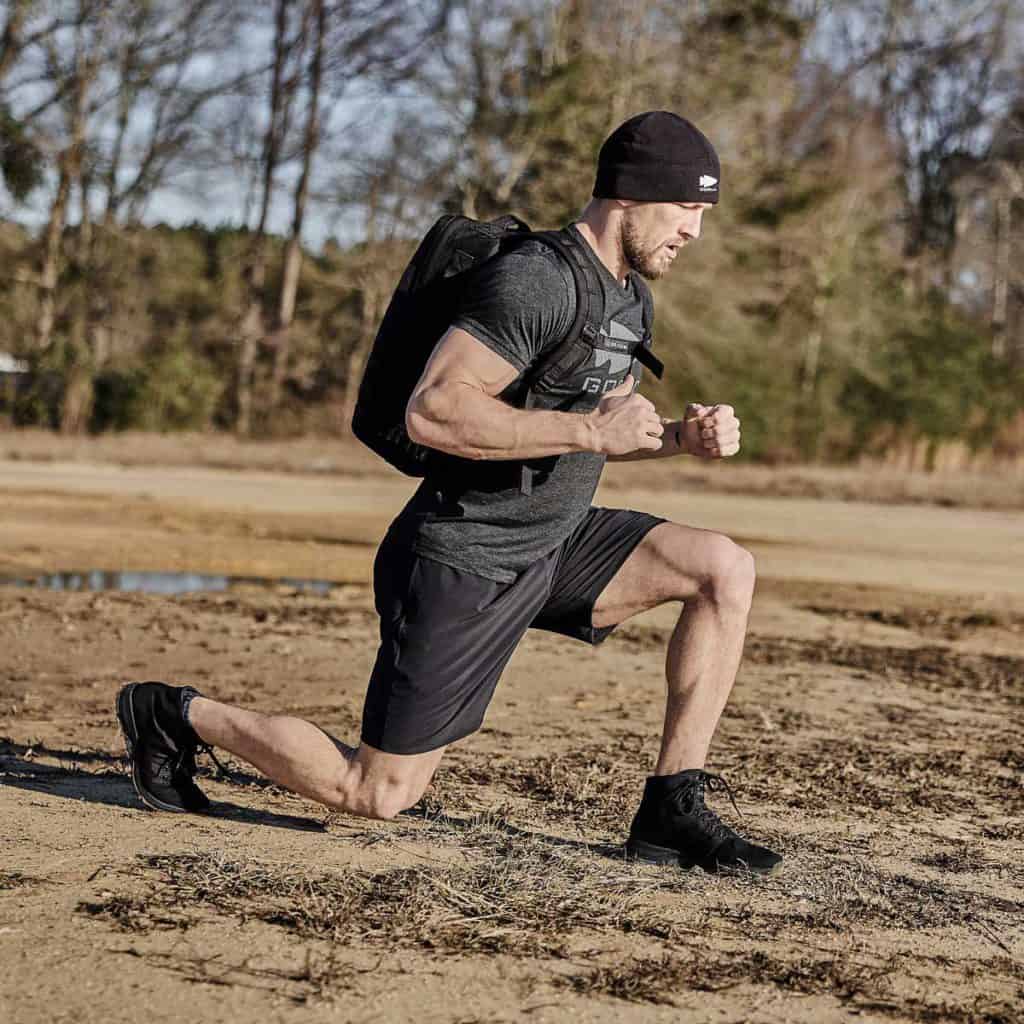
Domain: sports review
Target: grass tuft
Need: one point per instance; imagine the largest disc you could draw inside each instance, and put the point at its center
(16, 880)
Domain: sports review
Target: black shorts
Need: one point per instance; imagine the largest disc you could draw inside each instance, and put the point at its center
(446, 635)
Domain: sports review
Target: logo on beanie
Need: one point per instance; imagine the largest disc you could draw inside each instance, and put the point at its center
(707, 183)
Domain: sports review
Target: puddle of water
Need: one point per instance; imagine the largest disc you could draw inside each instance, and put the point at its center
(166, 583)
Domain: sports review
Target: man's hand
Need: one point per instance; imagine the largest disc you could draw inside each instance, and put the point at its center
(624, 422)
(711, 432)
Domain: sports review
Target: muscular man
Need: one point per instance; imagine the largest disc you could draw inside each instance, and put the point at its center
(475, 559)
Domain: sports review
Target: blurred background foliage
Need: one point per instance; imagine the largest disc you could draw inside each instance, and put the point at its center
(859, 291)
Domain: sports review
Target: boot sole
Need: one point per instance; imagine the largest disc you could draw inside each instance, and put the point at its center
(130, 729)
(648, 853)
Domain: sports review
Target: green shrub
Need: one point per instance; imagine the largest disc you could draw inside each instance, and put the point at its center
(175, 389)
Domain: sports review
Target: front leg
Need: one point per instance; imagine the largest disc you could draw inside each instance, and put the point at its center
(715, 579)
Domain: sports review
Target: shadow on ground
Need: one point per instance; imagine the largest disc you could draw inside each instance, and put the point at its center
(108, 784)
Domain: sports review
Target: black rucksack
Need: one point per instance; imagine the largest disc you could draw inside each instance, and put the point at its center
(426, 302)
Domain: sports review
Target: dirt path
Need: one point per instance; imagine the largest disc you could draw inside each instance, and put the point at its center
(218, 520)
(874, 734)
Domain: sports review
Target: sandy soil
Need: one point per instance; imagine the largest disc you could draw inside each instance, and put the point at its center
(874, 735)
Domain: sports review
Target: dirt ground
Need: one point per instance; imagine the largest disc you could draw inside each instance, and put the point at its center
(874, 736)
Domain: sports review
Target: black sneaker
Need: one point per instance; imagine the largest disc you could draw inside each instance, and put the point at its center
(674, 826)
(162, 746)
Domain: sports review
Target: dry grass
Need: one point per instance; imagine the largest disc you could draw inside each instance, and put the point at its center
(878, 776)
(647, 980)
(134, 914)
(863, 986)
(932, 667)
(653, 980)
(590, 789)
(941, 622)
(523, 899)
(528, 893)
(959, 858)
(16, 880)
(321, 976)
(549, 901)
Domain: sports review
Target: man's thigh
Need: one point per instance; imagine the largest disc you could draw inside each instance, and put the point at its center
(671, 563)
(446, 636)
(587, 562)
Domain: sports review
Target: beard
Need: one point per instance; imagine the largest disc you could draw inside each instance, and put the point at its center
(640, 257)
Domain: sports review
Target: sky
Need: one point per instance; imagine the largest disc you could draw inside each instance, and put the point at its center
(220, 195)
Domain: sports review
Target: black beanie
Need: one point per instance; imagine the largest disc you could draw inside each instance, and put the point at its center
(658, 157)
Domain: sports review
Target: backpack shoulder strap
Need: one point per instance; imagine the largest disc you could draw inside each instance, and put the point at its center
(589, 309)
(586, 322)
(643, 354)
(589, 304)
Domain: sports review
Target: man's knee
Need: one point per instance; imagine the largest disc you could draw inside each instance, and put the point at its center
(388, 801)
(380, 798)
(731, 573)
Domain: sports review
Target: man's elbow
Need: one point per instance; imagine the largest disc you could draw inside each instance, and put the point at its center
(426, 416)
(433, 419)
(415, 423)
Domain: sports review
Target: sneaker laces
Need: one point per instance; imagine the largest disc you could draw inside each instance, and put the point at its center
(169, 765)
(689, 798)
(205, 748)
(183, 761)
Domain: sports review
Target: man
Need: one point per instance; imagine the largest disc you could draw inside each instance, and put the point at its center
(474, 559)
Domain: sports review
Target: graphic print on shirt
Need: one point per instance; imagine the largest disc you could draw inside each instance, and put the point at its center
(611, 360)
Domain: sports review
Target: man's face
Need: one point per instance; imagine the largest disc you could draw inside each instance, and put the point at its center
(652, 234)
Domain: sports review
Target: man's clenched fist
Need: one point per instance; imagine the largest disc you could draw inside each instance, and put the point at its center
(711, 431)
(624, 422)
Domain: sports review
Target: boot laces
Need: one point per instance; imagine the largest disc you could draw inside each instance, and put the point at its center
(689, 798)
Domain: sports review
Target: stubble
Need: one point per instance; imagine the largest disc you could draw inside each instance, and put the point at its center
(639, 257)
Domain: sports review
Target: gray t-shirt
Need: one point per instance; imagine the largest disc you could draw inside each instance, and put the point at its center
(472, 514)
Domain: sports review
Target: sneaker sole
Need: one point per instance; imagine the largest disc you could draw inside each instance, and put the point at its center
(648, 853)
(130, 729)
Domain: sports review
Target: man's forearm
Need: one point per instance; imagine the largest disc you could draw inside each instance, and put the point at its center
(673, 442)
(463, 420)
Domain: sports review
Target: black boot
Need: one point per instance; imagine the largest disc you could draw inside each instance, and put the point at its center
(162, 746)
(674, 826)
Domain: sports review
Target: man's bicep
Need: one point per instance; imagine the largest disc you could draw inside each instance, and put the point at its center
(460, 358)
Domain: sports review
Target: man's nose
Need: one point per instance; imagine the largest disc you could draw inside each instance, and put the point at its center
(691, 229)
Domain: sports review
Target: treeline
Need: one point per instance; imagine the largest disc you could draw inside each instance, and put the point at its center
(859, 289)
